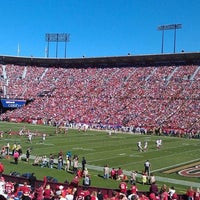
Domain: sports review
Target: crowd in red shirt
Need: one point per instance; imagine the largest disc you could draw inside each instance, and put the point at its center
(140, 98)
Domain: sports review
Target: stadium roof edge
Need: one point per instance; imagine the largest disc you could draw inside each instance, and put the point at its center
(115, 61)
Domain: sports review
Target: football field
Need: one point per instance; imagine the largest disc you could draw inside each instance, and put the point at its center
(177, 162)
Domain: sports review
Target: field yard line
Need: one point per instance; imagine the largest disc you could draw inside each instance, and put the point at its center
(176, 165)
(142, 162)
(136, 152)
(156, 158)
(176, 154)
(105, 158)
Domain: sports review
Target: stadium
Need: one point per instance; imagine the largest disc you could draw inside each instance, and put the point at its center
(136, 97)
(91, 108)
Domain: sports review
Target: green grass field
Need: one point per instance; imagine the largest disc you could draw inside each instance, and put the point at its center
(117, 150)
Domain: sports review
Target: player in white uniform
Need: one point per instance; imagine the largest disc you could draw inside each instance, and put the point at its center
(30, 135)
(139, 146)
(158, 143)
(43, 137)
(145, 145)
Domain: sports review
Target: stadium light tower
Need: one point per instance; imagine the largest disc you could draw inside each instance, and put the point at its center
(169, 27)
(56, 37)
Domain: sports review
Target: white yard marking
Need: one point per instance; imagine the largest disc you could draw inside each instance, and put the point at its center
(47, 144)
(135, 155)
(83, 149)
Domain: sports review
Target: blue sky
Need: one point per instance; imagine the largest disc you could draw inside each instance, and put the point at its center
(98, 27)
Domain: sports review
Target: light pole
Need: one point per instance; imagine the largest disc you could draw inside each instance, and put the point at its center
(56, 37)
(169, 27)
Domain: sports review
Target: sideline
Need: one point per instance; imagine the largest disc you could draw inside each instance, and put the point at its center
(158, 178)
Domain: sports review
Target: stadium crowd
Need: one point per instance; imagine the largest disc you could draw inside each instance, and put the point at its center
(129, 98)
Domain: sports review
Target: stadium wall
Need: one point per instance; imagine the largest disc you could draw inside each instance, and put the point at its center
(117, 61)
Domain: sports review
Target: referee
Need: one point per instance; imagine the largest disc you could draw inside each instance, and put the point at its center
(147, 166)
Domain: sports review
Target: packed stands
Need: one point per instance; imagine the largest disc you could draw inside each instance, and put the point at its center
(151, 97)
